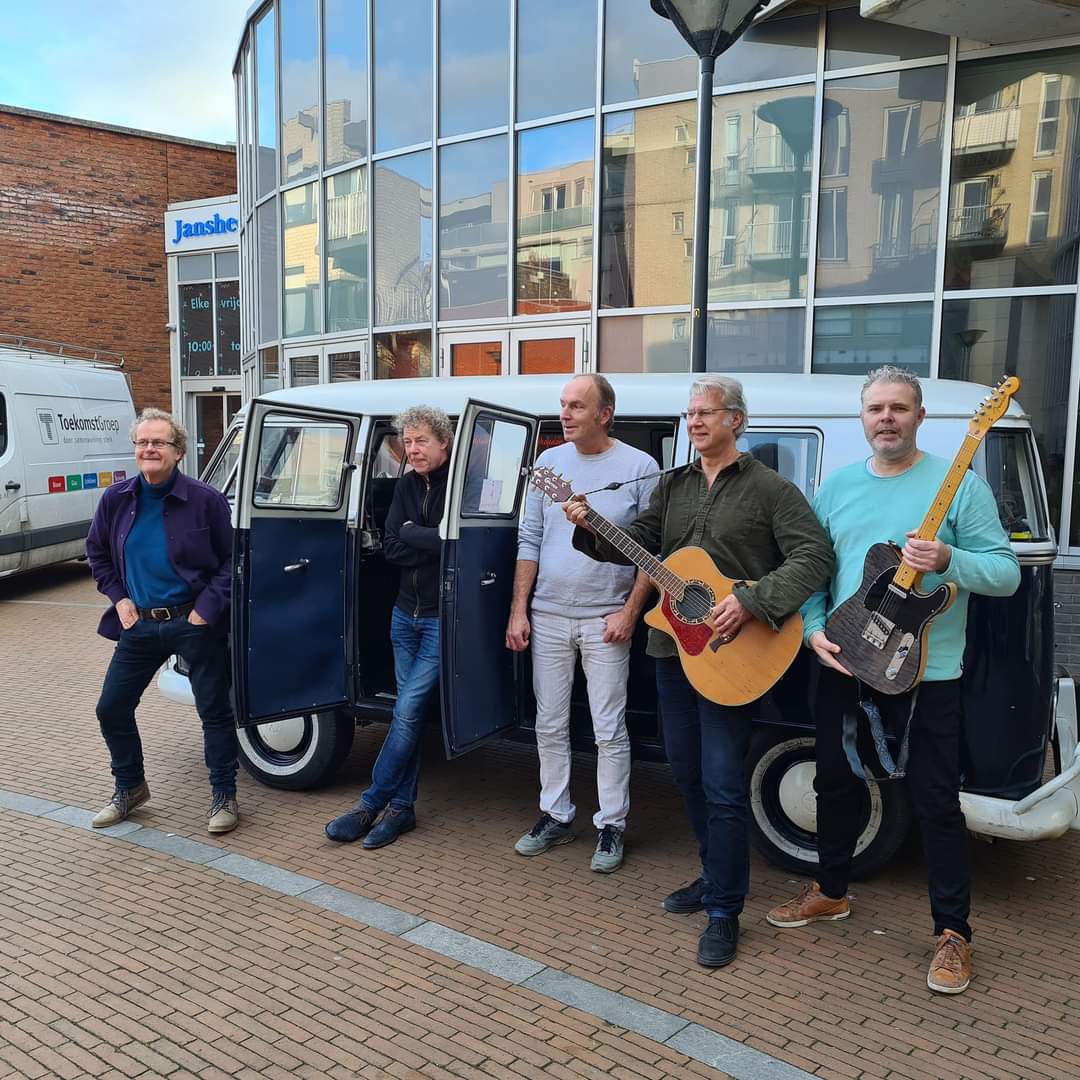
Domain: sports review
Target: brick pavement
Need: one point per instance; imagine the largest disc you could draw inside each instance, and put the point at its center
(841, 1000)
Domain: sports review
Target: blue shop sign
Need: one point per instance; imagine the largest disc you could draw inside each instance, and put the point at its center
(215, 226)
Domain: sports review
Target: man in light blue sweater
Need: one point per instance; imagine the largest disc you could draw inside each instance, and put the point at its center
(884, 499)
(581, 608)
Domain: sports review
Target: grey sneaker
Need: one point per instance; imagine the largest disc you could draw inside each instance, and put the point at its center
(608, 856)
(224, 814)
(124, 800)
(544, 835)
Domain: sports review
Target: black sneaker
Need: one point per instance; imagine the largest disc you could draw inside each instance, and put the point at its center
(719, 942)
(687, 900)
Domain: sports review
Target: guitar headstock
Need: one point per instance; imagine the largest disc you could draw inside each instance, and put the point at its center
(992, 408)
(551, 484)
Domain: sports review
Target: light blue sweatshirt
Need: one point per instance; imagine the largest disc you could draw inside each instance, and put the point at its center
(568, 582)
(858, 509)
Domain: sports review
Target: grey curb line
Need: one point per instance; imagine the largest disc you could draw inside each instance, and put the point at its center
(709, 1047)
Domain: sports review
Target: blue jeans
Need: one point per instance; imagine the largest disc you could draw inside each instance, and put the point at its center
(138, 655)
(706, 745)
(416, 669)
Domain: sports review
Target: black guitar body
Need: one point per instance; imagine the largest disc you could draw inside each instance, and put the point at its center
(881, 630)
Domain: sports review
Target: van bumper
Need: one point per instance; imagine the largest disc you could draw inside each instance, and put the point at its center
(174, 686)
(1049, 811)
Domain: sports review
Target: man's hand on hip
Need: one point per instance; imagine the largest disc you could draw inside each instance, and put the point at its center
(128, 612)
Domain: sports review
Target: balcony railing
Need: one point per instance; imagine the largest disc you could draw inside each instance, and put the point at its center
(772, 240)
(552, 221)
(994, 130)
(770, 154)
(346, 215)
(984, 222)
(479, 234)
(921, 240)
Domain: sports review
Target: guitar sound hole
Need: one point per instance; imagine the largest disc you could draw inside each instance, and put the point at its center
(696, 602)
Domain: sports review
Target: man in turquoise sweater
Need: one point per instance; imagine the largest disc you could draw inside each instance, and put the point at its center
(885, 498)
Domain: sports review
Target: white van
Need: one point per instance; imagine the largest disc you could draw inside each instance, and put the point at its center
(311, 472)
(65, 436)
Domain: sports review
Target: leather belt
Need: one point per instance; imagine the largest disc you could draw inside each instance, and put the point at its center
(165, 614)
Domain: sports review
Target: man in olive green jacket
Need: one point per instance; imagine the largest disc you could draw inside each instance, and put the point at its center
(760, 530)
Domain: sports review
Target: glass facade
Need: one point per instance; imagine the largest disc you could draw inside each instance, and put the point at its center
(509, 186)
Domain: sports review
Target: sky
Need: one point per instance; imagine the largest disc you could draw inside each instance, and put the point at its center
(150, 64)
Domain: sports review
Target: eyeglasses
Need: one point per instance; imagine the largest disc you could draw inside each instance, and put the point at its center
(156, 444)
(704, 414)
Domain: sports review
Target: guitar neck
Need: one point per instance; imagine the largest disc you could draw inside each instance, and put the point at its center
(659, 574)
(905, 577)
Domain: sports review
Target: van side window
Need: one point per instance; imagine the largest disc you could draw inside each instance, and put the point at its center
(493, 467)
(3, 424)
(793, 454)
(221, 469)
(1010, 471)
(655, 437)
(301, 464)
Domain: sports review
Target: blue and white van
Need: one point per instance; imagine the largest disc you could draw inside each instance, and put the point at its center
(312, 471)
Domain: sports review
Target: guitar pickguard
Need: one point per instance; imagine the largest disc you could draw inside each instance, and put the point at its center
(693, 637)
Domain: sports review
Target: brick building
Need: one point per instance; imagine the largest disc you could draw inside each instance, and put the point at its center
(82, 207)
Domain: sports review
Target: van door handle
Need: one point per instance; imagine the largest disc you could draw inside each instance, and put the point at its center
(300, 564)
(488, 578)
(12, 485)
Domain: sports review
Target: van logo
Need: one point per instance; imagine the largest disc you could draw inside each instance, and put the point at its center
(47, 424)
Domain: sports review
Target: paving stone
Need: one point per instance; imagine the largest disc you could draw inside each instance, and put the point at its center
(360, 908)
(262, 873)
(474, 952)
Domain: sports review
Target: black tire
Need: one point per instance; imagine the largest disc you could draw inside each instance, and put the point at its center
(298, 753)
(780, 770)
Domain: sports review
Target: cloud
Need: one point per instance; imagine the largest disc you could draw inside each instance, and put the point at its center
(153, 66)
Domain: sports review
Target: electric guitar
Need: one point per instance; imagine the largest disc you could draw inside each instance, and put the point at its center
(881, 629)
(731, 671)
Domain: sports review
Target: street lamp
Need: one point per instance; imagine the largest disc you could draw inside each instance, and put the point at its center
(709, 27)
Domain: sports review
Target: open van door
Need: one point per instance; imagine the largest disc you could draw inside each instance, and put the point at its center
(493, 451)
(292, 581)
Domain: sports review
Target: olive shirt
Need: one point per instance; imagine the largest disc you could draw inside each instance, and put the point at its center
(756, 526)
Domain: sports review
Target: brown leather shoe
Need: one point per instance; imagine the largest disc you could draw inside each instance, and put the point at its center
(810, 905)
(950, 970)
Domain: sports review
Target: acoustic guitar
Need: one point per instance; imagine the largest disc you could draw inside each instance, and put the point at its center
(731, 671)
(881, 630)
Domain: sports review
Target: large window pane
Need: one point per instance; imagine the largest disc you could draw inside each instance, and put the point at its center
(880, 178)
(266, 216)
(196, 330)
(647, 210)
(474, 230)
(300, 249)
(759, 217)
(403, 355)
(474, 51)
(644, 343)
(1029, 336)
(853, 340)
(770, 339)
(403, 248)
(556, 66)
(852, 41)
(347, 250)
(1014, 200)
(299, 89)
(266, 124)
(228, 327)
(644, 55)
(403, 73)
(346, 117)
(554, 218)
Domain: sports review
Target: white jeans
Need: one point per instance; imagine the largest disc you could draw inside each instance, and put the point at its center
(556, 642)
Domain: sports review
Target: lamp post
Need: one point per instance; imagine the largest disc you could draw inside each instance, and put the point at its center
(709, 27)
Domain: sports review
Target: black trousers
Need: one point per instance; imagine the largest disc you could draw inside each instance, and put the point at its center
(933, 782)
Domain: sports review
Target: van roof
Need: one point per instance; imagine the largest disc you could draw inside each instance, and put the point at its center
(777, 396)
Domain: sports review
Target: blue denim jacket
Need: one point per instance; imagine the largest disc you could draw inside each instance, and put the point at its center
(198, 538)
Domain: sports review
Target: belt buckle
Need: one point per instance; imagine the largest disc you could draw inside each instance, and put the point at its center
(160, 614)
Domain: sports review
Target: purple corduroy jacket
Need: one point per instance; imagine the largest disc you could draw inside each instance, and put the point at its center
(198, 534)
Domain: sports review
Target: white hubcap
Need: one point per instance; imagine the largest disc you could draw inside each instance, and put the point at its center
(283, 736)
(798, 799)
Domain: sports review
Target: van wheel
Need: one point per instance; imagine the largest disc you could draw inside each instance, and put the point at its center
(299, 752)
(783, 805)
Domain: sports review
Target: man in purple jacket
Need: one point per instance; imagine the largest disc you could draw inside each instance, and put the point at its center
(160, 548)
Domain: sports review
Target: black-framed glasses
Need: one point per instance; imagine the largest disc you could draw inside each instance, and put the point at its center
(151, 444)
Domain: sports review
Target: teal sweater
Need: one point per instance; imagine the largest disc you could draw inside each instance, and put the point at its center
(858, 509)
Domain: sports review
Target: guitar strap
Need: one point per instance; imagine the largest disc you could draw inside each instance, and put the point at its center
(894, 770)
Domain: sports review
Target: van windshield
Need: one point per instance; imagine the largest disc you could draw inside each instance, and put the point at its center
(1010, 471)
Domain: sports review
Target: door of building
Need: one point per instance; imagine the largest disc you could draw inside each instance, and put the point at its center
(539, 350)
(208, 418)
